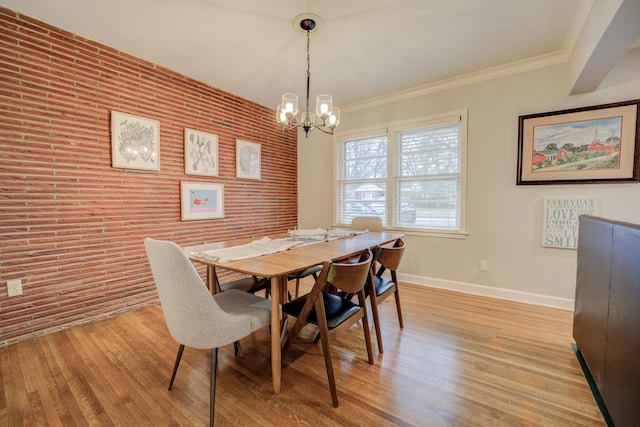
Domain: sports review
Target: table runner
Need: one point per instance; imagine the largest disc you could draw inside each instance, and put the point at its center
(266, 245)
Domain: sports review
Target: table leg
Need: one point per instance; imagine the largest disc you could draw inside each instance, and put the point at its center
(211, 272)
(276, 366)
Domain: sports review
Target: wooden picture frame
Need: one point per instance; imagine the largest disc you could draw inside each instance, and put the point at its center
(248, 159)
(597, 144)
(201, 201)
(135, 142)
(200, 153)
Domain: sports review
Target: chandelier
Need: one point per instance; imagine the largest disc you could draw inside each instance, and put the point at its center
(326, 117)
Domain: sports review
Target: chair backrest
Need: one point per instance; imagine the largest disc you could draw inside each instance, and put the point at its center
(371, 223)
(350, 277)
(191, 313)
(389, 257)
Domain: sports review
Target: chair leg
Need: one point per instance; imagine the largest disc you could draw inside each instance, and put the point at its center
(399, 309)
(397, 295)
(365, 327)
(237, 349)
(297, 287)
(326, 348)
(175, 365)
(212, 400)
(374, 312)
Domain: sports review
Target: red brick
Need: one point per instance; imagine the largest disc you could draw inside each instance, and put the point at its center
(71, 226)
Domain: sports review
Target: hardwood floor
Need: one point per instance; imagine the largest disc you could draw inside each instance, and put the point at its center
(460, 361)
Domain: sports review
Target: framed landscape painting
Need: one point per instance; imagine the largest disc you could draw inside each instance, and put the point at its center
(201, 201)
(595, 144)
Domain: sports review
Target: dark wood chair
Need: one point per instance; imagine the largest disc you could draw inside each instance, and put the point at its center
(298, 275)
(332, 313)
(380, 288)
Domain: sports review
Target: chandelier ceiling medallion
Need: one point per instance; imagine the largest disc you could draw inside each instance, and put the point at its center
(326, 117)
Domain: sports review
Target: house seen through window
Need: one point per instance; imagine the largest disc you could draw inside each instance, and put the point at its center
(412, 175)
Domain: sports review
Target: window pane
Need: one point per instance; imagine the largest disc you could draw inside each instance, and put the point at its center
(429, 151)
(361, 199)
(364, 158)
(430, 203)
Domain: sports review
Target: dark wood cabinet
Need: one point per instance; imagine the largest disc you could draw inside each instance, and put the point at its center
(606, 325)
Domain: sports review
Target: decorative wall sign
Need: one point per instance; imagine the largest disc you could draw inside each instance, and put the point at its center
(200, 153)
(201, 201)
(135, 142)
(561, 218)
(247, 159)
(583, 145)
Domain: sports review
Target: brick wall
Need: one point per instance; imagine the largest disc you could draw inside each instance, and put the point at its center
(71, 226)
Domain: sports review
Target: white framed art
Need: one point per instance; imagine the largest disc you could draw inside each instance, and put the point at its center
(247, 159)
(200, 153)
(201, 201)
(135, 142)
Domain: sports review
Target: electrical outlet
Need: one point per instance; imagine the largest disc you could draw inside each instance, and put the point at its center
(484, 265)
(14, 287)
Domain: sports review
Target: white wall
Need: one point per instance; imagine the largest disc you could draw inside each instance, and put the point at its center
(504, 220)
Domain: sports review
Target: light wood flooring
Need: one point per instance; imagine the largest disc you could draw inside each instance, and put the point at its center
(460, 360)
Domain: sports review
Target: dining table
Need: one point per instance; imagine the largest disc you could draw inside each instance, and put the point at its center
(279, 265)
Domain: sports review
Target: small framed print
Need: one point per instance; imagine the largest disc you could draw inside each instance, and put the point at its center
(247, 159)
(201, 201)
(200, 153)
(135, 142)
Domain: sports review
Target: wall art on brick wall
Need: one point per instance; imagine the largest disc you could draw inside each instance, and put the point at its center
(201, 201)
(135, 142)
(247, 159)
(200, 153)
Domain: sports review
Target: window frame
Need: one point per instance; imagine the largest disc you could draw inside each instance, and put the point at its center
(390, 130)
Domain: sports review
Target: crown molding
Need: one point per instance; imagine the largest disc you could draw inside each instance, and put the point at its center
(517, 67)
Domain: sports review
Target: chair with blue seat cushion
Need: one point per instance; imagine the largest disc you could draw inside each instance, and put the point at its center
(332, 313)
(380, 287)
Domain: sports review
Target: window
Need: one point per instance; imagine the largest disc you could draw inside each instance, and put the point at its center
(412, 175)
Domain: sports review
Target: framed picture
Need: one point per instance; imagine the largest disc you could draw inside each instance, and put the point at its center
(597, 144)
(201, 201)
(560, 220)
(200, 153)
(247, 159)
(135, 142)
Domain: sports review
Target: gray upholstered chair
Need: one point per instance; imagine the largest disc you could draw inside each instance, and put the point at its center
(371, 223)
(194, 317)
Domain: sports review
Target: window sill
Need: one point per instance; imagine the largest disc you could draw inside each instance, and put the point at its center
(439, 234)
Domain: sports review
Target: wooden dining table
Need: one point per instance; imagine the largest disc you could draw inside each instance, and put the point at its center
(278, 266)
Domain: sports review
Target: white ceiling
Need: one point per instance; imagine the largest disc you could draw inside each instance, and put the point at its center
(363, 49)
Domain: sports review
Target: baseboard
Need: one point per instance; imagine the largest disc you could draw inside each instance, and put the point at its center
(489, 291)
